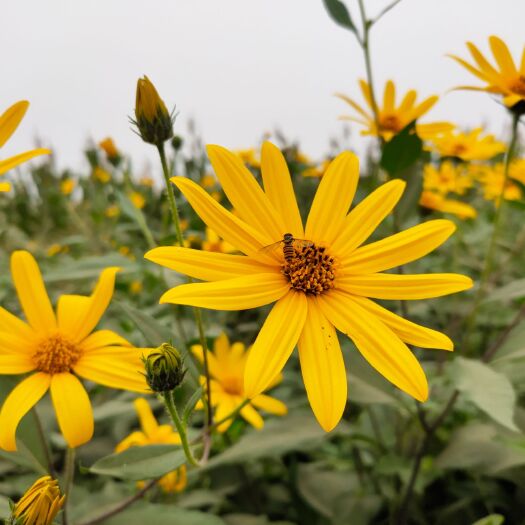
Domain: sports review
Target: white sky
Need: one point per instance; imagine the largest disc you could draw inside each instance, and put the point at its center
(238, 67)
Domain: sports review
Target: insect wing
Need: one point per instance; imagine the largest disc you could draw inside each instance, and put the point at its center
(273, 248)
(301, 243)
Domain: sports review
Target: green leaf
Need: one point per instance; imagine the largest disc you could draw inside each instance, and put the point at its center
(489, 390)
(402, 151)
(493, 519)
(140, 463)
(339, 14)
(513, 290)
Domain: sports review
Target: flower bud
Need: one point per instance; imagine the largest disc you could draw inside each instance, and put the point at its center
(176, 142)
(164, 368)
(152, 118)
(40, 504)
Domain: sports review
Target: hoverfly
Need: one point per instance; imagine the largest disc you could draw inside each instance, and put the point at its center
(289, 245)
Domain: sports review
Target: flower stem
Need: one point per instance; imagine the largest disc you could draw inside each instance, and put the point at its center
(69, 474)
(491, 250)
(181, 429)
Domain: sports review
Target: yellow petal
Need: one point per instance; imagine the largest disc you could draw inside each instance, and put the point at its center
(270, 404)
(252, 416)
(389, 97)
(245, 194)
(480, 74)
(117, 369)
(5, 186)
(221, 348)
(278, 187)
(377, 343)
(275, 342)
(356, 106)
(102, 339)
(13, 325)
(208, 266)
(393, 286)
(213, 365)
(13, 162)
(522, 64)
(365, 90)
(333, 199)
(15, 363)
(482, 62)
(323, 368)
(366, 216)
(10, 119)
(147, 419)
(73, 409)
(225, 407)
(18, 403)
(502, 55)
(406, 330)
(408, 102)
(32, 292)
(423, 107)
(229, 227)
(400, 248)
(135, 439)
(241, 293)
(87, 311)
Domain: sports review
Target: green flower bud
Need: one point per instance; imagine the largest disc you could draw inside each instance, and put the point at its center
(177, 142)
(164, 368)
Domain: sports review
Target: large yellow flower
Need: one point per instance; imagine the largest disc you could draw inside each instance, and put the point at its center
(227, 364)
(504, 79)
(154, 434)
(467, 145)
(57, 349)
(323, 285)
(392, 118)
(9, 121)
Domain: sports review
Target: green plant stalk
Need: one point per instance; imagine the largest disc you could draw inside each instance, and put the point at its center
(491, 250)
(69, 474)
(181, 429)
(197, 313)
(141, 222)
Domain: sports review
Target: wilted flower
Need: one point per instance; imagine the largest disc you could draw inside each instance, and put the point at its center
(164, 368)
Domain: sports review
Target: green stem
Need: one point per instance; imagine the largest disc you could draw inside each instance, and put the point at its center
(69, 474)
(489, 257)
(181, 429)
(45, 444)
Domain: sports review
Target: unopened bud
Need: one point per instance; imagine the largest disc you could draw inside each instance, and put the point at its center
(164, 368)
(176, 142)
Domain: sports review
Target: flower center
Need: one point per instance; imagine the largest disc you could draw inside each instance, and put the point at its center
(232, 385)
(459, 149)
(390, 123)
(309, 269)
(55, 354)
(518, 86)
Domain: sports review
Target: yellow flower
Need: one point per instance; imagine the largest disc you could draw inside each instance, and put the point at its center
(227, 364)
(438, 202)
(112, 211)
(9, 121)
(137, 199)
(67, 186)
(59, 347)
(135, 287)
(146, 181)
(109, 148)
(317, 171)
(392, 118)
(213, 243)
(447, 178)
(249, 156)
(492, 179)
(154, 434)
(54, 249)
(101, 175)
(467, 146)
(322, 285)
(40, 503)
(503, 79)
(208, 181)
(517, 170)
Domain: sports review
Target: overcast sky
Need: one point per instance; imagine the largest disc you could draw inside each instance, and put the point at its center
(237, 67)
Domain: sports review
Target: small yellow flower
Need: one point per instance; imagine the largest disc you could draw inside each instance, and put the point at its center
(54, 249)
(40, 504)
(227, 363)
(249, 156)
(101, 175)
(447, 178)
(467, 146)
(135, 287)
(137, 199)
(124, 250)
(323, 284)
(208, 181)
(437, 202)
(153, 120)
(59, 347)
(146, 181)
(67, 186)
(154, 434)
(317, 171)
(492, 179)
(392, 118)
(503, 78)
(109, 148)
(213, 243)
(112, 211)
(9, 121)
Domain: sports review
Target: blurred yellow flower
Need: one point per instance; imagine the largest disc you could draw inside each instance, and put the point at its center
(517, 170)
(226, 364)
(447, 178)
(40, 504)
(54, 249)
(208, 181)
(503, 79)
(467, 145)
(317, 171)
(146, 181)
(9, 121)
(323, 284)
(492, 179)
(437, 202)
(249, 156)
(59, 347)
(213, 243)
(112, 211)
(135, 287)
(392, 118)
(101, 175)
(154, 434)
(109, 148)
(67, 186)
(137, 199)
